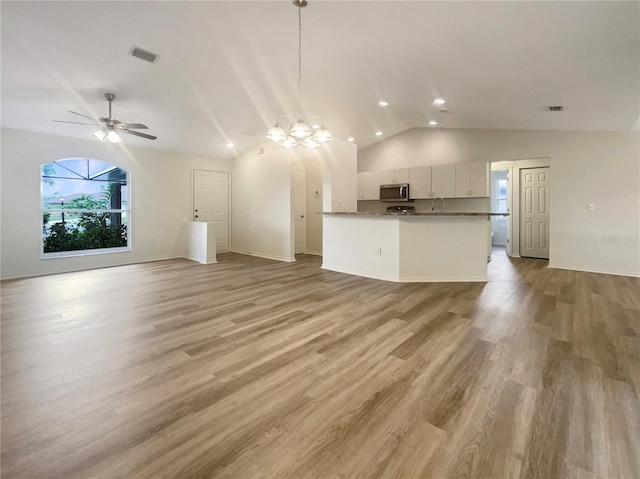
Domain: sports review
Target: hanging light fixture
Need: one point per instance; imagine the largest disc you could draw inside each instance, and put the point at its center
(299, 134)
(108, 134)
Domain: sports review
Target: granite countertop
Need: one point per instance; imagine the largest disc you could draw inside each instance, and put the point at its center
(429, 213)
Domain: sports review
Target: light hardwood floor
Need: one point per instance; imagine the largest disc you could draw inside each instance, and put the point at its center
(254, 368)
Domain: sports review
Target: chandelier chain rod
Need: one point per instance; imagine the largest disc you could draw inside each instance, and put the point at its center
(300, 60)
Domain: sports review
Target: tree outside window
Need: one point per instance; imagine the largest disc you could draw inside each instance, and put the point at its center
(84, 207)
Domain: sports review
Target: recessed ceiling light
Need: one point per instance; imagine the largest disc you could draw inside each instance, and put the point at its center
(351, 139)
(438, 101)
(383, 103)
(433, 123)
(378, 133)
(230, 145)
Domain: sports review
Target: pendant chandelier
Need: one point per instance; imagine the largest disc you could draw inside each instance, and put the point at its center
(299, 134)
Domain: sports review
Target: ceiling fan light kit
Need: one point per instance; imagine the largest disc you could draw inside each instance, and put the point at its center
(299, 134)
(107, 135)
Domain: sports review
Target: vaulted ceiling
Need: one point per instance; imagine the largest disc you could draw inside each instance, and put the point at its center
(228, 70)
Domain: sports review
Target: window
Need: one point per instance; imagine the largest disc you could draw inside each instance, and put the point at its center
(85, 207)
(501, 197)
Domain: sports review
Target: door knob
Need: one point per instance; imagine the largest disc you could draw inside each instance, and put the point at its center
(197, 216)
(301, 216)
(196, 211)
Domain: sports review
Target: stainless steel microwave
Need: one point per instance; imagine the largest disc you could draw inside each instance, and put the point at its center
(399, 192)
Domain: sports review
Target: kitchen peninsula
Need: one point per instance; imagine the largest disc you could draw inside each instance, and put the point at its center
(418, 247)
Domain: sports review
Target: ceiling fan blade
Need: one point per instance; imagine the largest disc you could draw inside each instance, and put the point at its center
(84, 116)
(137, 133)
(77, 123)
(133, 126)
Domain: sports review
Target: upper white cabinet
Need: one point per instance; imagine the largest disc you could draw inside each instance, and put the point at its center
(455, 180)
(443, 181)
(392, 177)
(369, 185)
(420, 182)
(472, 179)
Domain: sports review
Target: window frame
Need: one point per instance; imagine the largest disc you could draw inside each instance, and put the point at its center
(126, 212)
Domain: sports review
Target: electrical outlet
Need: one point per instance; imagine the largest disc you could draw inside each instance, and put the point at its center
(379, 252)
(591, 207)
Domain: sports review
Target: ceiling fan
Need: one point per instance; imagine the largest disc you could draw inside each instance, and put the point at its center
(109, 126)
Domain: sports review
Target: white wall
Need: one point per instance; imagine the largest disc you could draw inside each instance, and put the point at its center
(160, 200)
(586, 167)
(261, 218)
(340, 175)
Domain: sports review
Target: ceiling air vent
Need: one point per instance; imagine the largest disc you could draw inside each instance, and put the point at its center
(556, 108)
(143, 54)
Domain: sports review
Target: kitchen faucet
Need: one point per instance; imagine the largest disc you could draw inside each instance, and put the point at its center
(433, 203)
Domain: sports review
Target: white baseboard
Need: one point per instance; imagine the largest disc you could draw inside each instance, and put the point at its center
(35, 274)
(201, 262)
(407, 279)
(364, 274)
(265, 256)
(447, 279)
(630, 274)
(315, 253)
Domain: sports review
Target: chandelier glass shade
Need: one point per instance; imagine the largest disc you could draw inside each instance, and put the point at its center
(299, 133)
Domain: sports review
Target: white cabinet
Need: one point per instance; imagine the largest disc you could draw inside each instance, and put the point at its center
(392, 177)
(369, 185)
(472, 178)
(443, 181)
(454, 180)
(420, 182)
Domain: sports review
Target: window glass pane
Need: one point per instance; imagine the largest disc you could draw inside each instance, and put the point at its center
(124, 194)
(81, 194)
(71, 231)
(79, 166)
(502, 189)
(54, 169)
(111, 174)
(96, 167)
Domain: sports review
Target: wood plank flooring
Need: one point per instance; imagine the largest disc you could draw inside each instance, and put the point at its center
(252, 368)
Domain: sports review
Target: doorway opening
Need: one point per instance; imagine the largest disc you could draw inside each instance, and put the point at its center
(307, 185)
(499, 204)
(525, 183)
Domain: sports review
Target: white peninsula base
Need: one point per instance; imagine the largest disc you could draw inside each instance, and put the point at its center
(420, 248)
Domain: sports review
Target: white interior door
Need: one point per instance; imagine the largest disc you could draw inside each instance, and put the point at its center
(299, 183)
(211, 203)
(534, 212)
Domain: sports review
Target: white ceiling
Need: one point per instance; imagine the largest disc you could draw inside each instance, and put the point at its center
(228, 69)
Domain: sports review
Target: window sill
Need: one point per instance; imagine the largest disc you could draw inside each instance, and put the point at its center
(84, 252)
